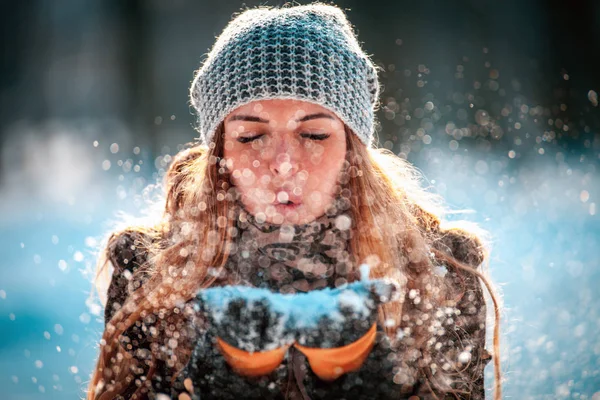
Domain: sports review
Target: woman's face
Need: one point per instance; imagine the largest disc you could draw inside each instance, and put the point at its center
(285, 156)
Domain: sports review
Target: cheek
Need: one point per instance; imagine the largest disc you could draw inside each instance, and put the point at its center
(323, 166)
(246, 167)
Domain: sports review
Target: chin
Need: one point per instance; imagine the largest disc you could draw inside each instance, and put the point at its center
(288, 214)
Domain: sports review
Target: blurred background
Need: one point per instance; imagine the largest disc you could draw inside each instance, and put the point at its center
(495, 102)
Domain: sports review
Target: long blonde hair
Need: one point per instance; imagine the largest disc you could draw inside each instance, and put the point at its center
(397, 228)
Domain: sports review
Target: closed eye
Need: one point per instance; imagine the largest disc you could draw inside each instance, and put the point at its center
(315, 136)
(249, 138)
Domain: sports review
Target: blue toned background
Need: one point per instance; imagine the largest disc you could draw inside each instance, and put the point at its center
(495, 102)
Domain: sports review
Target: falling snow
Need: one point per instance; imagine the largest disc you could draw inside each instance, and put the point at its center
(512, 143)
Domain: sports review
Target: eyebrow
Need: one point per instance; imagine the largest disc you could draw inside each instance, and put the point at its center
(251, 118)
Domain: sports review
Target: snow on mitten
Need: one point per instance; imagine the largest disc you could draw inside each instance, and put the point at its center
(331, 318)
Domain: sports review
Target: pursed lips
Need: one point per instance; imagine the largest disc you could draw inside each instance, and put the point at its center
(287, 197)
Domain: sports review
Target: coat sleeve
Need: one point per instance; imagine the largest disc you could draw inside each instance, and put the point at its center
(470, 330)
(126, 255)
(463, 355)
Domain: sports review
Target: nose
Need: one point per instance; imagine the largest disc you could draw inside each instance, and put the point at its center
(283, 165)
(285, 162)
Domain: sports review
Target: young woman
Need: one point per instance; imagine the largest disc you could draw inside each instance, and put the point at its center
(285, 192)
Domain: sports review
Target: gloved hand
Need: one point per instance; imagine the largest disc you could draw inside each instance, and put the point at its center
(253, 326)
(249, 331)
(336, 329)
(238, 350)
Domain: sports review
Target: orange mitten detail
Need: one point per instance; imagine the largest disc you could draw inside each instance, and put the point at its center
(329, 364)
(251, 364)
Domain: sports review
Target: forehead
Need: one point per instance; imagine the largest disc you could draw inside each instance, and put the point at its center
(281, 108)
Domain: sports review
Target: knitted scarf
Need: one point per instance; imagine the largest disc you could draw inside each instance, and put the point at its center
(292, 258)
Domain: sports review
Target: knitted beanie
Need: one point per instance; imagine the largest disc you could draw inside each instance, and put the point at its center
(307, 52)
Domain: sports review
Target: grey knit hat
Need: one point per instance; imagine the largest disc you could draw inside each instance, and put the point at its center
(307, 52)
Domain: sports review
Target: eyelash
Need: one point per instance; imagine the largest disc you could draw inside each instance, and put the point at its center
(311, 136)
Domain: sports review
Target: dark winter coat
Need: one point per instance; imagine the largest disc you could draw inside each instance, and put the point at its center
(294, 380)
